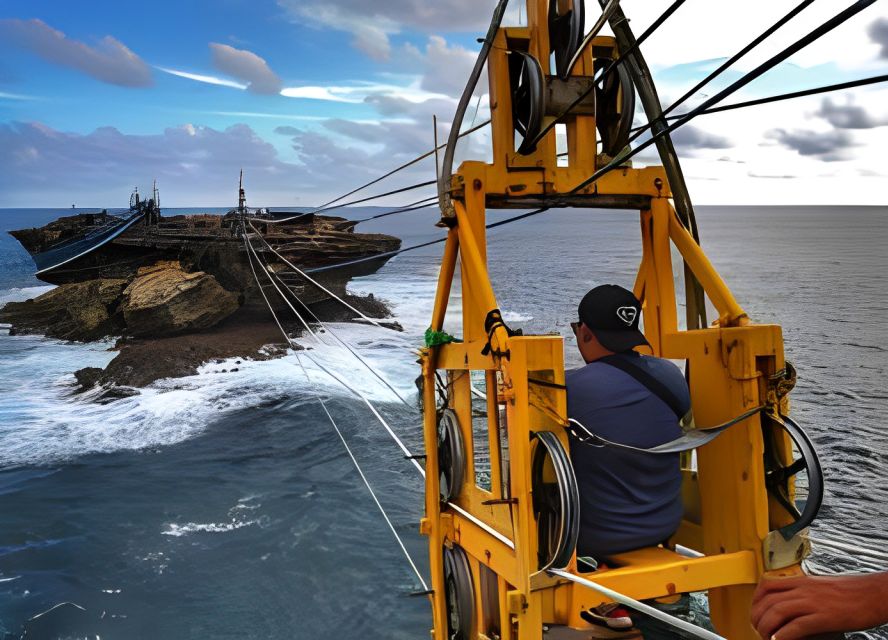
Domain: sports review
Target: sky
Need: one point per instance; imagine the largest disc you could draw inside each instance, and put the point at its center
(313, 98)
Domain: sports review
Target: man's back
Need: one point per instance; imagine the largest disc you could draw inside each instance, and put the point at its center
(627, 499)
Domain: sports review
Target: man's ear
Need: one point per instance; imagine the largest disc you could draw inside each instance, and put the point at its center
(586, 333)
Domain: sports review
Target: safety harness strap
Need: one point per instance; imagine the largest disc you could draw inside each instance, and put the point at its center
(493, 320)
(629, 363)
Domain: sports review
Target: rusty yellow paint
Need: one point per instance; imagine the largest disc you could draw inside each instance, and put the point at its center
(728, 513)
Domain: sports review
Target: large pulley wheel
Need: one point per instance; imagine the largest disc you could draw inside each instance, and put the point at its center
(565, 33)
(614, 107)
(556, 502)
(459, 594)
(528, 99)
(451, 455)
(778, 475)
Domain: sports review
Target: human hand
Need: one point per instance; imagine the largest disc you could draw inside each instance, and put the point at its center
(808, 606)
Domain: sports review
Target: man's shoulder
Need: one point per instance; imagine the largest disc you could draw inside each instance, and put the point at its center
(661, 366)
(611, 379)
(656, 366)
(589, 372)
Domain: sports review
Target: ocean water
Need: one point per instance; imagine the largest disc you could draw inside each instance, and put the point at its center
(223, 504)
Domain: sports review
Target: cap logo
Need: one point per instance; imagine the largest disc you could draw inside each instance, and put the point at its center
(627, 314)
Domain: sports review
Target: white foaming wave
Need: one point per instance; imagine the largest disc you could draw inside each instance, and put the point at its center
(20, 294)
(411, 297)
(513, 316)
(235, 521)
(42, 423)
(177, 531)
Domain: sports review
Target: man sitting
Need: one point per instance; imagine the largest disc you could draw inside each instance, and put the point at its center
(628, 499)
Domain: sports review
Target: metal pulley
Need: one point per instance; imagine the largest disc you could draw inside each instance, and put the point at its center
(528, 99)
(565, 32)
(451, 455)
(778, 475)
(556, 502)
(459, 594)
(614, 107)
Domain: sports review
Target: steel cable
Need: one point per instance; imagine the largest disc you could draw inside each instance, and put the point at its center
(327, 206)
(730, 61)
(450, 148)
(784, 96)
(336, 427)
(407, 454)
(656, 24)
(393, 192)
(325, 327)
(799, 44)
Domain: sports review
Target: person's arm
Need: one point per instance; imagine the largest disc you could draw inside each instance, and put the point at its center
(806, 606)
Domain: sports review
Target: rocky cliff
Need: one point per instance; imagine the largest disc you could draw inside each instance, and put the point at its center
(168, 320)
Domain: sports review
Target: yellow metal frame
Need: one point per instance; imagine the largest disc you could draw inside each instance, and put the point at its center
(729, 514)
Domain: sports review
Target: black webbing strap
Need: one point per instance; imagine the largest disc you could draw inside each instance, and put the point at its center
(493, 320)
(629, 363)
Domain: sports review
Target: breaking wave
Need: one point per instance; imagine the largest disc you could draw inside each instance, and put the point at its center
(43, 421)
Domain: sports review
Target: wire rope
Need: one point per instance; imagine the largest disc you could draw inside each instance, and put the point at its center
(315, 282)
(656, 24)
(338, 431)
(328, 329)
(606, 13)
(799, 44)
(730, 61)
(393, 192)
(413, 206)
(463, 104)
(405, 165)
(786, 96)
(672, 621)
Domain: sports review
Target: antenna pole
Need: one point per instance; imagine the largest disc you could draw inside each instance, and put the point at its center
(241, 195)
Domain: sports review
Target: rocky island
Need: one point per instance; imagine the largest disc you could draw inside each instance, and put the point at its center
(179, 291)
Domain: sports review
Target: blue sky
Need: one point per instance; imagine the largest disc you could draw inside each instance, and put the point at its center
(313, 97)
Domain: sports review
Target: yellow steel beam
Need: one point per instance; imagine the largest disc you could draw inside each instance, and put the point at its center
(655, 572)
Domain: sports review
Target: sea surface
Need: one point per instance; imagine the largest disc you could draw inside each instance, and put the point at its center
(223, 505)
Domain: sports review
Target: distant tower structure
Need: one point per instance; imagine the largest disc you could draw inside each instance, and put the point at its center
(153, 216)
(241, 196)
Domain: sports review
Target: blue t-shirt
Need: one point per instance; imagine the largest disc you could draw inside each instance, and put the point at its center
(628, 499)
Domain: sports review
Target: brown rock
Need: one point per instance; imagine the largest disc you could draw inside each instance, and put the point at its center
(80, 311)
(166, 300)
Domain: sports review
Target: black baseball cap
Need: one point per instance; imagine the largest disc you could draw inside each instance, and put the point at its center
(612, 314)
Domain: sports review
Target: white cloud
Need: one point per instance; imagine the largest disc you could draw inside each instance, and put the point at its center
(878, 32)
(702, 29)
(362, 92)
(195, 165)
(111, 61)
(15, 96)
(371, 23)
(332, 94)
(447, 68)
(270, 116)
(222, 82)
(373, 41)
(247, 67)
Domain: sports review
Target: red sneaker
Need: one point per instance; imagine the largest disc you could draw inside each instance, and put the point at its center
(611, 616)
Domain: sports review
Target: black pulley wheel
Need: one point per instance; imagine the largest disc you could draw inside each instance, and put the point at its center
(778, 475)
(614, 107)
(565, 34)
(451, 455)
(528, 99)
(556, 505)
(459, 594)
